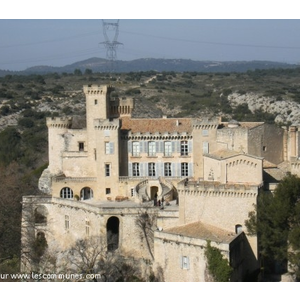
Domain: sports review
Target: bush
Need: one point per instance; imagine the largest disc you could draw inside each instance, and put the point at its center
(26, 123)
(5, 110)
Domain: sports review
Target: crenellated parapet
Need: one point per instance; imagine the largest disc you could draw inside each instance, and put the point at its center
(95, 89)
(215, 189)
(206, 123)
(121, 107)
(106, 124)
(59, 122)
(157, 136)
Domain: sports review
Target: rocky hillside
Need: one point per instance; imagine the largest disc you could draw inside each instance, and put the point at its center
(262, 95)
(285, 111)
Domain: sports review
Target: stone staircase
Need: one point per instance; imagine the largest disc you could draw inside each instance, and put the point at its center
(165, 190)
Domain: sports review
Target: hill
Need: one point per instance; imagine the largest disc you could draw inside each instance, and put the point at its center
(147, 64)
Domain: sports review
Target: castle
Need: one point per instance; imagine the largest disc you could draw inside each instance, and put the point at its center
(199, 177)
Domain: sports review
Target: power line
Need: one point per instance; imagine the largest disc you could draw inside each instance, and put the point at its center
(213, 43)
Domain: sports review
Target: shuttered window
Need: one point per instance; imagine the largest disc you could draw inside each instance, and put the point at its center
(152, 148)
(205, 146)
(135, 148)
(109, 148)
(136, 169)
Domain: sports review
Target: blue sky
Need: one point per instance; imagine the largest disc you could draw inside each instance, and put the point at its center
(45, 40)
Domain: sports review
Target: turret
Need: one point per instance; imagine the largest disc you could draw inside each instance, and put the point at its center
(57, 127)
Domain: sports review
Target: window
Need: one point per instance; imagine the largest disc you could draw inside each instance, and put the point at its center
(40, 214)
(132, 192)
(95, 154)
(96, 102)
(107, 191)
(204, 132)
(184, 169)
(81, 146)
(184, 149)
(185, 262)
(107, 170)
(67, 222)
(168, 170)
(238, 229)
(86, 193)
(135, 148)
(168, 149)
(136, 169)
(109, 148)
(151, 169)
(152, 148)
(66, 193)
(264, 148)
(205, 147)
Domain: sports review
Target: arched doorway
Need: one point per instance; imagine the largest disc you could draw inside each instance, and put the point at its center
(112, 233)
(40, 245)
(153, 192)
(86, 193)
(40, 215)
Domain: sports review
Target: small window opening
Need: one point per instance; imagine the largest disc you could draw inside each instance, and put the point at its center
(81, 146)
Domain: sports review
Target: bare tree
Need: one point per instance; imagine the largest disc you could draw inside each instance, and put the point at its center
(146, 223)
(90, 256)
(86, 253)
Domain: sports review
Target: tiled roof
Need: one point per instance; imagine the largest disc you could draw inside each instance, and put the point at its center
(203, 231)
(267, 164)
(225, 153)
(157, 125)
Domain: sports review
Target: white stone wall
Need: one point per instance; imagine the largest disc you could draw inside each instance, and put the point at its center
(169, 250)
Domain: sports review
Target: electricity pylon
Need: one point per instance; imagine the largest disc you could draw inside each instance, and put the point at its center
(111, 45)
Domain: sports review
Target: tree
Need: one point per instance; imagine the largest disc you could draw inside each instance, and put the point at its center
(10, 210)
(217, 265)
(90, 257)
(10, 146)
(276, 221)
(145, 223)
(77, 72)
(88, 72)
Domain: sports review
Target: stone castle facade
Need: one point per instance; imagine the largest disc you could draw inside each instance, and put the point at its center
(205, 174)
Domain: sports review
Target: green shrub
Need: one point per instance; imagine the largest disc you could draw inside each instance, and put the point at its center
(218, 266)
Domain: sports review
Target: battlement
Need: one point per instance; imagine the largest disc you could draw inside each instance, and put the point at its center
(206, 123)
(157, 136)
(59, 122)
(95, 89)
(106, 124)
(120, 107)
(217, 189)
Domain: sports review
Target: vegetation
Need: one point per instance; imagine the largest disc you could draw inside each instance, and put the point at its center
(90, 262)
(276, 221)
(217, 265)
